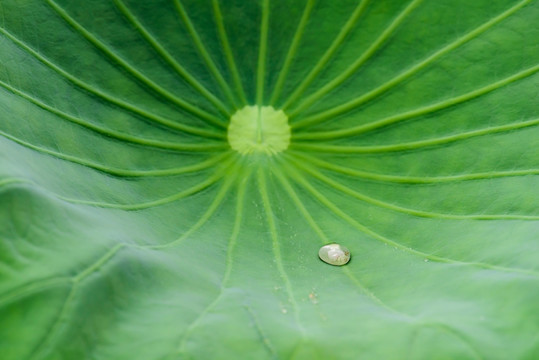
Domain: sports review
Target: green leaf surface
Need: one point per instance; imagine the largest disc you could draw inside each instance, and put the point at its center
(130, 229)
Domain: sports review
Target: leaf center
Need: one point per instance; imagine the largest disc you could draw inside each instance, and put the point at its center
(259, 129)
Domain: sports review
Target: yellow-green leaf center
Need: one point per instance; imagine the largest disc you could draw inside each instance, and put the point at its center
(259, 129)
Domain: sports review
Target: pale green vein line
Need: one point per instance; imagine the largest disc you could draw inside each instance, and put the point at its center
(228, 264)
(121, 172)
(262, 54)
(10, 181)
(299, 205)
(76, 280)
(145, 205)
(204, 52)
(46, 283)
(103, 95)
(421, 213)
(451, 331)
(291, 52)
(163, 201)
(52, 333)
(263, 337)
(170, 59)
(132, 70)
(217, 201)
(31, 288)
(277, 248)
(242, 185)
(228, 51)
(350, 105)
(99, 263)
(345, 30)
(414, 145)
(367, 231)
(355, 130)
(108, 132)
(412, 179)
(345, 75)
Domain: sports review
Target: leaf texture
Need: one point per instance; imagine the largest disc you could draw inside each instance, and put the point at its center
(130, 229)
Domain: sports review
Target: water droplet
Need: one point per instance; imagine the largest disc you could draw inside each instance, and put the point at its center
(334, 254)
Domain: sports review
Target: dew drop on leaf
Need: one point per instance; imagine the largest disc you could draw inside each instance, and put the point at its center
(334, 254)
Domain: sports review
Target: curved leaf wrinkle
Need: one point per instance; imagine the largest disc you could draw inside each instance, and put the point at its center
(124, 211)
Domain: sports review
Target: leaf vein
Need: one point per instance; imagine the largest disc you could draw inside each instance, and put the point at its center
(132, 70)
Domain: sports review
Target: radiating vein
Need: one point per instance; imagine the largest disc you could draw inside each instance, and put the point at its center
(228, 51)
(99, 262)
(109, 132)
(204, 53)
(291, 52)
(221, 173)
(410, 179)
(51, 334)
(345, 30)
(145, 205)
(31, 288)
(414, 145)
(170, 59)
(367, 231)
(103, 95)
(262, 53)
(9, 181)
(212, 208)
(325, 240)
(228, 267)
(270, 218)
(264, 339)
(76, 280)
(451, 331)
(444, 104)
(409, 211)
(122, 172)
(352, 104)
(345, 75)
(132, 70)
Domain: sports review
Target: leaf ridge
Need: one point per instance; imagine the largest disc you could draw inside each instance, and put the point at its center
(115, 171)
(103, 95)
(261, 179)
(31, 288)
(367, 231)
(345, 30)
(412, 179)
(325, 240)
(217, 201)
(109, 133)
(204, 53)
(414, 145)
(132, 70)
(331, 85)
(291, 52)
(352, 104)
(160, 49)
(413, 212)
(228, 267)
(228, 51)
(262, 53)
(359, 129)
(159, 202)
